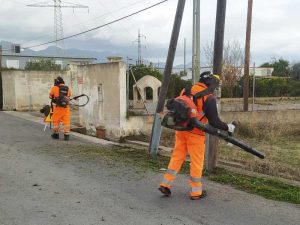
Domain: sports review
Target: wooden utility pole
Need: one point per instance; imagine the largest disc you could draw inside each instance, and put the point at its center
(156, 128)
(247, 56)
(0, 56)
(217, 69)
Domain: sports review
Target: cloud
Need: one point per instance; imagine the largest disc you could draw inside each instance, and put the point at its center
(274, 29)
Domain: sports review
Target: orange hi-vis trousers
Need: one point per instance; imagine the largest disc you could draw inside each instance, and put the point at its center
(194, 145)
(61, 115)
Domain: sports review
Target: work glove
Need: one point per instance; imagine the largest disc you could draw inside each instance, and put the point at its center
(231, 128)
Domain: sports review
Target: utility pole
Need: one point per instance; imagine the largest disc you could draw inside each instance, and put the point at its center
(247, 56)
(58, 21)
(253, 87)
(1, 88)
(196, 41)
(156, 129)
(212, 141)
(0, 56)
(184, 57)
(127, 83)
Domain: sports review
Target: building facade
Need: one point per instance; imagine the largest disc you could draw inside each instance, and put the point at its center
(12, 57)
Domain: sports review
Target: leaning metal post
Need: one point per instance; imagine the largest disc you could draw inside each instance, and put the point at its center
(156, 129)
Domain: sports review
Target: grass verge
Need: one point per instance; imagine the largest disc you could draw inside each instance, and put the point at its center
(140, 160)
(268, 188)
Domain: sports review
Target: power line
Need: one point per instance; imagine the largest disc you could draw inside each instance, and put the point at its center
(83, 23)
(95, 28)
(58, 19)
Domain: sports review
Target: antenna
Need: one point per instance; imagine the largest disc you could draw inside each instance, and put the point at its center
(58, 20)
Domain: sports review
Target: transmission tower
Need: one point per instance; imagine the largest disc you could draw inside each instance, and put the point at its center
(58, 20)
(139, 43)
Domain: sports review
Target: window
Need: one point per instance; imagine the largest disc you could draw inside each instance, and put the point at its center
(59, 62)
(149, 93)
(12, 63)
(17, 48)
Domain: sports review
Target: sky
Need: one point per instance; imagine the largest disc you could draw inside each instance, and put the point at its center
(275, 23)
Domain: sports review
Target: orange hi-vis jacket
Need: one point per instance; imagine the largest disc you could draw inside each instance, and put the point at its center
(60, 114)
(54, 92)
(200, 114)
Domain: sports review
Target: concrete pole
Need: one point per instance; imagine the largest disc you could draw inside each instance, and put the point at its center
(1, 88)
(196, 42)
(184, 57)
(247, 56)
(253, 88)
(197, 59)
(156, 129)
(217, 69)
(127, 86)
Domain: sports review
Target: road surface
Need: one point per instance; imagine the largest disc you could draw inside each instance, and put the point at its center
(44, 182)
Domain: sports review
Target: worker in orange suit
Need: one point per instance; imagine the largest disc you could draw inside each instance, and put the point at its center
(60, 97)
(193, 142)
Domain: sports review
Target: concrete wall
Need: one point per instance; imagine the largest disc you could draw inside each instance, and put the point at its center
(269, 117)
(29, 90)
(136, 125)
(8, 91)
(107, 107)
(105, 84)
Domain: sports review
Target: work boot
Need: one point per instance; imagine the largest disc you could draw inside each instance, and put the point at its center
(199, 196)
(66, 137)
(165, 190)
(55, 135)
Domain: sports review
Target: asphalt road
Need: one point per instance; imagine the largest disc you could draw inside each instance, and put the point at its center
(42, 182)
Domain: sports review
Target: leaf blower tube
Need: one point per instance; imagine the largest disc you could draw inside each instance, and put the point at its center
(79, 96)
(226, 136)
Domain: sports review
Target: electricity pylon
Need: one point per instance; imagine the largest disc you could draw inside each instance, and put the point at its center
(58, 20)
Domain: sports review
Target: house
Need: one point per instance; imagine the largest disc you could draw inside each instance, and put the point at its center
(11, 56)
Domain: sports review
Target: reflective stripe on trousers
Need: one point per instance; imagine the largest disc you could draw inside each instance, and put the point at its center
(169, 177)
(192, 144)
(196, 186)
(61, 115)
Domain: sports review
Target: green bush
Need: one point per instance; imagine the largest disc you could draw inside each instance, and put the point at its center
(268, 87)
(42, 65)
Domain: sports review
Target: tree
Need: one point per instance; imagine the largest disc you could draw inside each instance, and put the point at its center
(296, 71)
(232, 65)
(176, 85)
(281, 68)
(42, 65)
(266, 65)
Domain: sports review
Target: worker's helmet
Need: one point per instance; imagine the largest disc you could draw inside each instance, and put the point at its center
(59, 80)
(208, 78)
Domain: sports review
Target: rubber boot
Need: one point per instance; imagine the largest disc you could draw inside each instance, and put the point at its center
(55, 135)
(166, 191)
(66, 137)
(203, 195)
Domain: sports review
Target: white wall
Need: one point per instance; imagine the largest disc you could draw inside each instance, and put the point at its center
(108, 110)
(29, 90)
